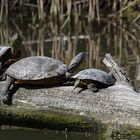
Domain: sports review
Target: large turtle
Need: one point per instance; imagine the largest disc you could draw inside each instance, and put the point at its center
(38, 70)
(10, 54)
(93, 79)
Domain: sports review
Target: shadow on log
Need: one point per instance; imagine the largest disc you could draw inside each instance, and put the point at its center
(111, 111)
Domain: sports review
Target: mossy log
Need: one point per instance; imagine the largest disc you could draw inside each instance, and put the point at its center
(114, 110)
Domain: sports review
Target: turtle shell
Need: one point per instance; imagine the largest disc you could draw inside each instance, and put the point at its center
(36, 68)
(95, 75)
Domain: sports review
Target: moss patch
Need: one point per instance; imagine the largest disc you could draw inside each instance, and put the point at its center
(55, 120)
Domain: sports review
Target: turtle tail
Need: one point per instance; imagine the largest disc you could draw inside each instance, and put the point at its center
(75, 62)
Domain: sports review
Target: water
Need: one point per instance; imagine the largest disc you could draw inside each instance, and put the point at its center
(22, 134)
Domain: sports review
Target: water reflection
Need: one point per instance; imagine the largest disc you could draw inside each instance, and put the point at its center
(106, 38)
(22, 134)
(94, 39)
(17, 134)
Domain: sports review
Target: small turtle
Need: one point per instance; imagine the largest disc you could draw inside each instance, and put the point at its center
(38, 70)
(10, 54)
(93, 79)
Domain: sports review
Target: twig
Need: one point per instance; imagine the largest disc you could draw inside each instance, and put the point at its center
(136, 19)
(123, 9)
(65, 23)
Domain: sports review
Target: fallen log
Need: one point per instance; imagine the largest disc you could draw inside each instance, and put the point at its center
(111, 111)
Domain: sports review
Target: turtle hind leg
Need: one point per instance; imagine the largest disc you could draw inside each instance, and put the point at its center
(7, 90)
(92, 87)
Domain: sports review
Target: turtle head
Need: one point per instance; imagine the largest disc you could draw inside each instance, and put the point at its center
(75, 62)
(16, 43)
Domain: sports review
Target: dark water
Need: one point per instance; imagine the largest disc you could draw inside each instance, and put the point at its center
(16, 134)
(24, 134)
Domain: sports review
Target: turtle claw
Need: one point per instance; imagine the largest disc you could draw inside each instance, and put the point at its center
(92, 88)
(6, 99)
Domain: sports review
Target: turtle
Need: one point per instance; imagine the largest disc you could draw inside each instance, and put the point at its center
(93, 79)
(10, 54)
(38, 70)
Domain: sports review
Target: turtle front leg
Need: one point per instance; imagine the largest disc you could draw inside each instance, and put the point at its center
(92, 87)
(77, 83)
(7, 90)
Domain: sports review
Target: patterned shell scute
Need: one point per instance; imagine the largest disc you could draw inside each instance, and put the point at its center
(95, 75)
(36, 68)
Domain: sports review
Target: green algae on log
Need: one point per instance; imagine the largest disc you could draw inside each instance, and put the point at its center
(110, 111)
(49, 119)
